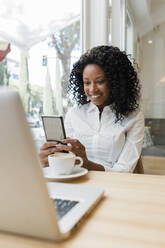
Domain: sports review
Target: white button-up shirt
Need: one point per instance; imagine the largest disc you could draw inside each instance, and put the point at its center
(116, 146)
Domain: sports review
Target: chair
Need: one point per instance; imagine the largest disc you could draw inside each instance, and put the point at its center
(139, 167)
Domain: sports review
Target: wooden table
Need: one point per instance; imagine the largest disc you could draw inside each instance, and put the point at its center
(131, 215)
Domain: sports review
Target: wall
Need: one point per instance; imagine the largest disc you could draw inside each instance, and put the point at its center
(153, 72)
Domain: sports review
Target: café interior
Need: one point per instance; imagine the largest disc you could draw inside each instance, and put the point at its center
(41, 41)
(134, 26)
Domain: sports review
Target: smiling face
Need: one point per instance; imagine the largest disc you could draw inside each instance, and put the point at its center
(96, 85)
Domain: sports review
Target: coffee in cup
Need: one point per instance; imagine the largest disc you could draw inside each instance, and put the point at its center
(64, 163)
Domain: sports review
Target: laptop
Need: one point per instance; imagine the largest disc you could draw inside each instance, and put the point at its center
(29, 205)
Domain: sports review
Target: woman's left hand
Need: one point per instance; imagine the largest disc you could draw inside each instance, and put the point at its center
(75, 146)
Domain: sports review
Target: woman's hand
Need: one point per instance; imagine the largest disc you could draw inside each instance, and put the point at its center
(75, 146)
(46, 149)
(70, 145)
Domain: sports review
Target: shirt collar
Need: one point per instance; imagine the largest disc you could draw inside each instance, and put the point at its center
(94, 107)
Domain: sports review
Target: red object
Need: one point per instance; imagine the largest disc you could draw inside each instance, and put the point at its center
(4, 53)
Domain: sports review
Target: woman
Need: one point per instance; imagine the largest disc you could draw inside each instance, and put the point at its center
(106, 127)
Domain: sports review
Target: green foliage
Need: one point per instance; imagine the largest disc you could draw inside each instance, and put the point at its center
(64, 42)
(36, 97)
(4, 75)
(24, 86)
(48, 99)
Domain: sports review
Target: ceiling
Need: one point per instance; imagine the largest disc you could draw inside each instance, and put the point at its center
(25, 23)
(147, 14)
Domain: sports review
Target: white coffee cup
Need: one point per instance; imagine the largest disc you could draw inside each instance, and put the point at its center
(63, 163)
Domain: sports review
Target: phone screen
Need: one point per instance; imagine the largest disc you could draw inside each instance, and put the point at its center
(53, 128)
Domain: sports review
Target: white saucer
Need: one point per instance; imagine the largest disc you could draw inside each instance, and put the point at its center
(78, 172)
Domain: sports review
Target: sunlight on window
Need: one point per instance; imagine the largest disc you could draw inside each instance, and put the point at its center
(43, 50)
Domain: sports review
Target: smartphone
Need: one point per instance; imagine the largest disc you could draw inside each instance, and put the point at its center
(53, 128)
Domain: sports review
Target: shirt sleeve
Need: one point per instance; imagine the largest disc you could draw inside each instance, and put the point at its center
(132, 149)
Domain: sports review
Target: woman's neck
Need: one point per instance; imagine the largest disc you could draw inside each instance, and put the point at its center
(100, 112)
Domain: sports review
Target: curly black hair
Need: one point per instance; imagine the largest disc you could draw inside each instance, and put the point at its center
(122, 77)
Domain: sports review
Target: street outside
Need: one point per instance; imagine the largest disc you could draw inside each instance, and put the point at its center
(38, 136)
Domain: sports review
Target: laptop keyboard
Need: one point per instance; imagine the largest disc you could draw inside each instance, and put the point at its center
(63, 206)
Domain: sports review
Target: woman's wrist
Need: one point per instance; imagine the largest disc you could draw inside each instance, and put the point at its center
(85, 163)
(92, 166)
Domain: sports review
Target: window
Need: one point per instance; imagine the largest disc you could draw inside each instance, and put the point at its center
(129, 34)
(39, 68)
(117, 22)
(110, 24)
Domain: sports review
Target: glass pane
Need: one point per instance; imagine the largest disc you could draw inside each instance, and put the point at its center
(153, 79)
(110, 24)
(129, 35)
(41, 72)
